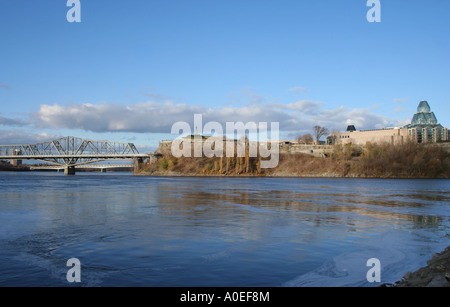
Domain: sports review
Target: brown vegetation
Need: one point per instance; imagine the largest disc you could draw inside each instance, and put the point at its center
(305, 139)
(409, 160)
(234, 166)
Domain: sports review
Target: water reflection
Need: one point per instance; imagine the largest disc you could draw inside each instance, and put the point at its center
(207, 231)
(243, 204)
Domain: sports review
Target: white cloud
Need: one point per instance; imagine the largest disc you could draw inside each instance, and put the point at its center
(148, 117)
(14, 137)
(141, 117)
(153, 117)
(247, 96)
(298, 90)
(158, 117)
(302, 106)
(4, 121)
(363, 119)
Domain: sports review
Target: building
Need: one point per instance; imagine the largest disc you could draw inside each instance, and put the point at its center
(16, 162)
(424, 128)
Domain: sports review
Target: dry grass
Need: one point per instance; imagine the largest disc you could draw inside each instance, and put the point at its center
(380, 161)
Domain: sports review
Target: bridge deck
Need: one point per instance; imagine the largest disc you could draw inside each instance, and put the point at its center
(89, 166)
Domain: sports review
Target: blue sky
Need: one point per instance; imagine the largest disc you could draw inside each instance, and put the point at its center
(130, 69)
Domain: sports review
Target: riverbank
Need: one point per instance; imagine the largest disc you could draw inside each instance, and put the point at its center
(6, 167)
(410, 161)
(435, 274)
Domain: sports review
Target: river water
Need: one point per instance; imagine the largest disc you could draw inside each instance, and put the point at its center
(238, 232)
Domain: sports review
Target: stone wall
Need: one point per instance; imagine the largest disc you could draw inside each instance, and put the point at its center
(313, 150)
(396, 136)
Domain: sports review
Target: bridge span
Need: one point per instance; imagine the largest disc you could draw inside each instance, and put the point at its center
(71, 152)
(101, 167)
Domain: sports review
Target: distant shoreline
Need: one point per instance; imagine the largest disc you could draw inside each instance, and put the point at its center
(6, 167)
(406, 161)
(165, 174)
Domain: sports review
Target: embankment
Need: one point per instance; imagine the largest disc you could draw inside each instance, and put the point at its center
(6, 167)
(409, 160)
(435, 274)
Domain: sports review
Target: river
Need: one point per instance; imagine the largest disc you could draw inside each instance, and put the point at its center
(224, 232)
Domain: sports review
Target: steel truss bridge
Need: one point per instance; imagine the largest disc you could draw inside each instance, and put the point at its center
(72, 152)
(99, 167)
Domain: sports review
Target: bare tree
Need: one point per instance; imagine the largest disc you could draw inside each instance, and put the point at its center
(319, 132)
(305, 139)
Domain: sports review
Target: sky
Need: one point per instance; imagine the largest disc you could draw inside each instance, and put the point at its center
(131, 69)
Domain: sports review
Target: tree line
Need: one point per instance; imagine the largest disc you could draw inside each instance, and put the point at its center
(317, 133)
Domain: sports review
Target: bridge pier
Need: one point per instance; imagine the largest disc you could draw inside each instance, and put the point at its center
(138, 164)
(69, 170)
